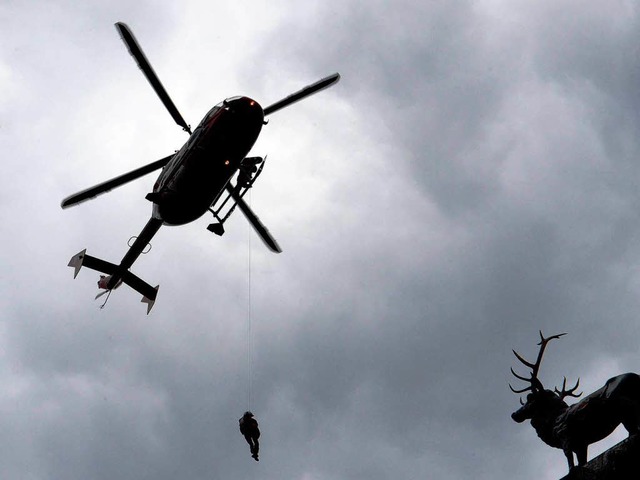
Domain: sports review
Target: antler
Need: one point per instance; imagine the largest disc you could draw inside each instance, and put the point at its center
(570, 392)
(534, 383)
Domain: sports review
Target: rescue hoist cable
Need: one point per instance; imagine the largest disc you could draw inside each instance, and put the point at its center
(249, 329)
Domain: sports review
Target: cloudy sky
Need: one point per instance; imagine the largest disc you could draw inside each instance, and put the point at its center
(472, 179)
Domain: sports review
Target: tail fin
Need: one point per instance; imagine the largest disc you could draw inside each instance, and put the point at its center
(148, 292)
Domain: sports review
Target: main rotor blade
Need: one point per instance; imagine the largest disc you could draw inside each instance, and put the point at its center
(104, 187)
(305, 92)
(255, 222)
(136, 52)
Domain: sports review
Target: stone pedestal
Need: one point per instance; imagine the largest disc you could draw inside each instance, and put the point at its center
(620, 462)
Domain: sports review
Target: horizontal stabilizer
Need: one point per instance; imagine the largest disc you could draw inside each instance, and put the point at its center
(148, 292)
(83, 260)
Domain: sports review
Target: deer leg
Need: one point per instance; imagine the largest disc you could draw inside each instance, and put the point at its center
(582, 455)
(632, 427)
(631, 418)
(569, 454)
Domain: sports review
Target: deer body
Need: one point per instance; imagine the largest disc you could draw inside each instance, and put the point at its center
(573, 428)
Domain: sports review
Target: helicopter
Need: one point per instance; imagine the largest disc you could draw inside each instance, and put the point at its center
(193, 180)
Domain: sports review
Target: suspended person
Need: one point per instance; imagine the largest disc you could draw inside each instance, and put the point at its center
(246, 171)
(249, 428)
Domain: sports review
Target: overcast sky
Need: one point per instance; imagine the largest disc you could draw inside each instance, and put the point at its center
(473, 178)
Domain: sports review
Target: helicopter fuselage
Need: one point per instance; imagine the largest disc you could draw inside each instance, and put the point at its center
(194, 179)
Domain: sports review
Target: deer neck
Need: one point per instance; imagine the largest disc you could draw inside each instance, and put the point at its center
(545, 425)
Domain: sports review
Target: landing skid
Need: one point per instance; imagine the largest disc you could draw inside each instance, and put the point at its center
(236, 193)
(245, 182)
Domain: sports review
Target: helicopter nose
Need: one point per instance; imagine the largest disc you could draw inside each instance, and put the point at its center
(247, 107)
(255, 108)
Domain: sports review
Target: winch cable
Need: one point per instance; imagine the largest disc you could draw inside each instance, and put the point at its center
(249, 319)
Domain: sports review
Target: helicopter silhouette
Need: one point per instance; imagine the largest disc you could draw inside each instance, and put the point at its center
(195, 178)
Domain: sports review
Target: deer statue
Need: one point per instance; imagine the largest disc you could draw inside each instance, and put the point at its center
(573, 428)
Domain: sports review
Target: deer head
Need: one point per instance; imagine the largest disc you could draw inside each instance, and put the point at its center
(541, 403)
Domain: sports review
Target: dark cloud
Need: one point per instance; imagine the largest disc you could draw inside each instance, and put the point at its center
(470, 181)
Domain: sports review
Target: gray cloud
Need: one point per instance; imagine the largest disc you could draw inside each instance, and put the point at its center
(469, 181)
